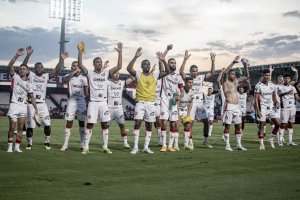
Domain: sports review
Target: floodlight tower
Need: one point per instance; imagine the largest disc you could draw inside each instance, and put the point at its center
(65, 10)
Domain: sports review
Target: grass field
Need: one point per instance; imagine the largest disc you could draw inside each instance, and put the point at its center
(199, 174)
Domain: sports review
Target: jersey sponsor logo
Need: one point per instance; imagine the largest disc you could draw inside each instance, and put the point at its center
(266, 93)
(38, 80)
(115, 88)
(77, 86)
(21, 86)
(171, 81)
(99, 79)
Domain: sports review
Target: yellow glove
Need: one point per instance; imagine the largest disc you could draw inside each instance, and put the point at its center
(186, 119)
(81, 46)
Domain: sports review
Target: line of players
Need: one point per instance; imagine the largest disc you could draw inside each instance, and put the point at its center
(160, 98)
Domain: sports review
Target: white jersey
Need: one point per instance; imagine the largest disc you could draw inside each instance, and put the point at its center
(288, 100)
(115, 91)
(209, 102)
(197, 87)
(242, 100)
(158, 89)
(39, 86)
(170, 85)
(266, 94)
(98, 85)
(76, 86)
(186, 99)
(20, 90)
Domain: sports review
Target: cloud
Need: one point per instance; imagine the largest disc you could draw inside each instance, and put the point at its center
(25, 1)
(45, 43)
(139, 30)
(295, 13)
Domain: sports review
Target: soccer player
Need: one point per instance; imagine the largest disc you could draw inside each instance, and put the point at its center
(209, 103)
(97, 106)
(157, 122)
(77, 91)
(198, 110)
(145, 97)
(114, 97)
(185, 106)
(232, 112)
(287, 94)
(265, 98)
(39, 80)
(21, 90)
(168, 108)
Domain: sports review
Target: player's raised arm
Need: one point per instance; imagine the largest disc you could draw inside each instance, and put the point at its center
(119, 49)
(29, 51)
(130, 69)
(71, 75)
(10, 68)
(212, 69)
(185, 58)
(293, 68)
(271, 71)
(236, 60)
(59, 65)
(162, 59)
(129, 80)
(80, 65)
(219, 78)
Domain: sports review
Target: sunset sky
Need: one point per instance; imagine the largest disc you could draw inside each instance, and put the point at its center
(263, 31)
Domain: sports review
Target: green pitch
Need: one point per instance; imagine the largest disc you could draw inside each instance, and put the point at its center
(200, 174)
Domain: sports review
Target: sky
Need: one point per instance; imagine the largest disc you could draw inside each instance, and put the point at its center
(264, 31)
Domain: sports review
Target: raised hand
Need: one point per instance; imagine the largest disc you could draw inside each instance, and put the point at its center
(170, 47)
(106, 64)
(29, 50)
(186, 55)
(138, 52)
(245, 61)
(213, 56)
(271, 68)
(119, 47)
(236, 59)
(293, 68)
(153, 69)
(64, 55)
(20, 52)
(160, 55)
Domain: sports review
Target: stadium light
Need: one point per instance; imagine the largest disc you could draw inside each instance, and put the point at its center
(65, 10)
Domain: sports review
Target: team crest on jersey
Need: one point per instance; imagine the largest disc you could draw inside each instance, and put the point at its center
(162, 113)
(152, 114)
(106, 112)
(67, 114)
(89, 116)
(175, 113)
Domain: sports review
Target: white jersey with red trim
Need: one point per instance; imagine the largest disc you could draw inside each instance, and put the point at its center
(20, 90)
(186, 99)
(98, 85)
(115, 91)
(76, 86)
(197, 87)
(242, 100)
(265, 92)
(288, 100)
(158, 90)
(209, 101)
(39, 86)
(170, 84)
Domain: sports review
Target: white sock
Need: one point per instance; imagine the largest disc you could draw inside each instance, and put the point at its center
(272, 137)
(105, 138)
(159, 136)
(226, 137)
(29, 140)
(17, 146)
(87, 138)
(82, 135)
(239, 139)
(210, 130)
(176, 136)
(171, 139)
(261, 141)
(10, 146)
(47, 139)
(290, 131)
(186, 138)
(136, 134)
(147, 139)
(191, 142)
(124, 139)
(67, 137)
(164, 138)
(280, 135)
